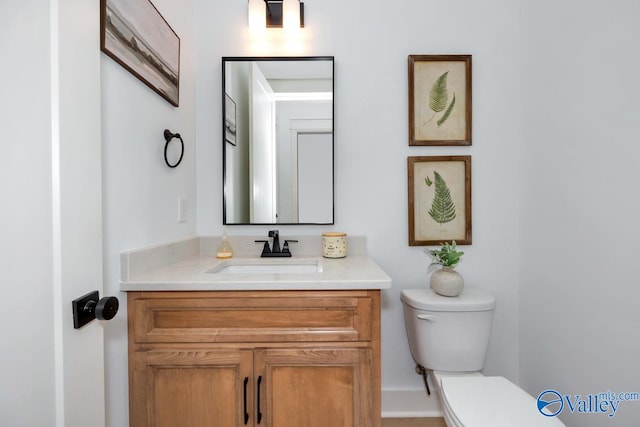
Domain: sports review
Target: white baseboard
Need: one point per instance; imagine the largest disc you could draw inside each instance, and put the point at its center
(410, 404)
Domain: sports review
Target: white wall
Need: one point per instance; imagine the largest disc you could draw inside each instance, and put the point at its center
(578, 269)
(237, 156)
(370, 43)
(27, 356)
(140, 192)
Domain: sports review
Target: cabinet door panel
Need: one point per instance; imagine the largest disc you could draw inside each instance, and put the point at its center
(315, 387)
(198, 388)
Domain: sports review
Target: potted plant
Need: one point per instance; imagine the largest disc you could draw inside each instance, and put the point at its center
(446, 280)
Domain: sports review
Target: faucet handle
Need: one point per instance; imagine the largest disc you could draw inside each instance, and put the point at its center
(285, 247)
(265, 248)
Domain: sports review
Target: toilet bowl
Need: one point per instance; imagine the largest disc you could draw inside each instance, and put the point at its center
(449, 337)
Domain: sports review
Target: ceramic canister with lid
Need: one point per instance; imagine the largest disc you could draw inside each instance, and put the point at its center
(334, 244)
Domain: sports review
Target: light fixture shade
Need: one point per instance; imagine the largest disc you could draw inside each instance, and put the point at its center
(291, 15)
(257, 16)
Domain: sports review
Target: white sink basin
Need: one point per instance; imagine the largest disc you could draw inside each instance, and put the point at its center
(268, 266)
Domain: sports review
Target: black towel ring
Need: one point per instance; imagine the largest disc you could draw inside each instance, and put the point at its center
(168, 136)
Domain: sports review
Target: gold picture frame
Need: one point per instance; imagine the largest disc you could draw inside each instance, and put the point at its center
(439, 200)
(440, 100)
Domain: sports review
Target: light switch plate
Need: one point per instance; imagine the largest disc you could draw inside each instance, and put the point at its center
(183, 205)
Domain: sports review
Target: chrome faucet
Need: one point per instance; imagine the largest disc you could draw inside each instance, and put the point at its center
(274, 250)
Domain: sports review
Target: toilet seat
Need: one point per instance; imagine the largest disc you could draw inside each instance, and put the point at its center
(489, 401)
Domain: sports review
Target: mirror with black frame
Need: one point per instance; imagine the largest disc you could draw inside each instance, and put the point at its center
(278, 152)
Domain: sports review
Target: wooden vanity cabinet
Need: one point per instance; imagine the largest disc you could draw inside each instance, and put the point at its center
(254, 358)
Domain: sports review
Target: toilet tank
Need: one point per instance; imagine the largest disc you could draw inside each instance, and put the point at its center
(448, 333)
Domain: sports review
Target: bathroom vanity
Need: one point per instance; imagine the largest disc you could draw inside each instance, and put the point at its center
(252, 341)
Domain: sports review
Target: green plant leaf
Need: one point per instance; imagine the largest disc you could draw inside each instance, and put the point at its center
(442, 209)
(438, 95)
(446, 114)
(447, 256)
(428, 182)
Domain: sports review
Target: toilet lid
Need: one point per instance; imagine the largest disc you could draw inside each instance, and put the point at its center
(471, 299)
(491, 401)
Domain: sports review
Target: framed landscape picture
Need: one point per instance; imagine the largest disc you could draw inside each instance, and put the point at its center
(439, 200)
(229, 120)
(136, 36)
(439, 99)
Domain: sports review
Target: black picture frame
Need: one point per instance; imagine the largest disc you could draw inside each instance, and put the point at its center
(229, 120)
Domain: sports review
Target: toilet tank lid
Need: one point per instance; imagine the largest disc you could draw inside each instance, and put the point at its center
(471, 299)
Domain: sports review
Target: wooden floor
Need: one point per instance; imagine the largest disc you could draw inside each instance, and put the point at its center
(413, 422)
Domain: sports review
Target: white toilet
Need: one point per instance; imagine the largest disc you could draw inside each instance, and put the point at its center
(449, 336)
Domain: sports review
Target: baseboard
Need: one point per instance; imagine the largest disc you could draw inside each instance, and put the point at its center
(402, 403)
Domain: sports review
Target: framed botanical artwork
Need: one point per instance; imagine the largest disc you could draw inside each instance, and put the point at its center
(136, 36)
(439, 200)
(229, 120)
(439, 99)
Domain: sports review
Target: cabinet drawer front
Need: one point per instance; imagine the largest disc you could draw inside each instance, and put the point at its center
(252, 319)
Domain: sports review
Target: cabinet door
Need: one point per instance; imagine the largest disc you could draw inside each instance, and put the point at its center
(316, 387)
(191, 388)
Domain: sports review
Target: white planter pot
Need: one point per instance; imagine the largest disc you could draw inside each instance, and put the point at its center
(447, 282)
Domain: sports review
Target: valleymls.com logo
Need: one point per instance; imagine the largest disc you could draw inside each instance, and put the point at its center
(551, 403)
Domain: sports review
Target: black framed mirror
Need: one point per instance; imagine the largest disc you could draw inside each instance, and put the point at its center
(278, 140)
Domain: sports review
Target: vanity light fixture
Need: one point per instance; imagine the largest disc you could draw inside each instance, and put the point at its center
(291, 15)
(257, 16)
(287, 14)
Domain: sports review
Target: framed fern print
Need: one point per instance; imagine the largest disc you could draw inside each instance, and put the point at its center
(439, 99)
(439, 200)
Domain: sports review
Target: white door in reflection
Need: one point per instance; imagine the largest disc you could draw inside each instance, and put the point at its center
(315, 177)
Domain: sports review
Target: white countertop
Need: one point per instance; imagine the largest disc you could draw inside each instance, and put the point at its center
(184, 266)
